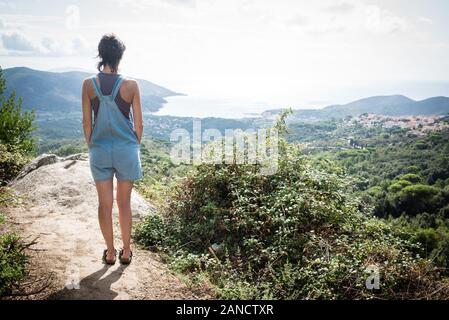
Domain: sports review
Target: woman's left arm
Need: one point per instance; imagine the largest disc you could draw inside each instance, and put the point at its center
(137, 111)
(87, 112)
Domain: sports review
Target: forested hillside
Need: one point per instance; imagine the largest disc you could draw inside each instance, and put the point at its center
(53, 92)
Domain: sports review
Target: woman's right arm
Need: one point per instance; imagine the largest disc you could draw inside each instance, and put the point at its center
(87, 112)
(137, 110)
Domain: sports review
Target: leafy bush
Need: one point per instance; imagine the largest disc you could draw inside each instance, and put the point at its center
(11, 162)
(16, 143)
(296, 234)
(12, 263)
(16, 125)
(151, 232)
(431, 233)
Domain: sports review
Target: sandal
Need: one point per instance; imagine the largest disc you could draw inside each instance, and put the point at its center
(125, 261)
(105, 260)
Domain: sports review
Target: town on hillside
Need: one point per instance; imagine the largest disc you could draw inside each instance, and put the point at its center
(417, 125)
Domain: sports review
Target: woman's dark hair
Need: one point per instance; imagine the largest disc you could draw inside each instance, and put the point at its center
(110, 51)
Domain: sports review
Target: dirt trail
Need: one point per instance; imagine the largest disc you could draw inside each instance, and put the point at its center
(60, 207)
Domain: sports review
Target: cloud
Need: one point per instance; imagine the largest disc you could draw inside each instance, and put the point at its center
(80, 45)
(48, 43)
(2, 24)
(145, 4)
(18, 42)
(340, 8)
(298, 20)
(67, 47)
(425, 20)
(381, 21)
(348, 17)
(186, 3)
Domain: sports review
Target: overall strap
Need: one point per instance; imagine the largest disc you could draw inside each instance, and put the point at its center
(117, 86)
(96, 88)
(131, 115)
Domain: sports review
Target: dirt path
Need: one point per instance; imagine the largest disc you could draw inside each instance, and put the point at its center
(60, 208)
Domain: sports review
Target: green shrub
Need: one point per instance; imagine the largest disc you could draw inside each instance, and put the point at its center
(16, 142)
(151, 232)
(11, 162)
(431, 233)
(16, 125)
(428, 238)
(12, 263)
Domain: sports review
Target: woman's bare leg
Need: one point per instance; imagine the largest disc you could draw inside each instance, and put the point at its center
(124, 189)
(105, 201)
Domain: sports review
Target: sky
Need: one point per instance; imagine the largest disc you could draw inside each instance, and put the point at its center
(283, 52)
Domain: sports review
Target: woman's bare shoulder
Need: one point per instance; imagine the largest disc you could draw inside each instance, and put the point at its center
(131, 84)
(87, 82)
(88, 88)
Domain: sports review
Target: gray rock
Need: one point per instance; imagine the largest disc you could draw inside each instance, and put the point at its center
(42, 160)
(78, 156)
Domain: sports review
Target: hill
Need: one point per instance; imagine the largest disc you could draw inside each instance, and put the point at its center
(47, 91)
(395, 105)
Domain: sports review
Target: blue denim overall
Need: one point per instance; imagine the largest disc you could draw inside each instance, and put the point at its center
(113, 146)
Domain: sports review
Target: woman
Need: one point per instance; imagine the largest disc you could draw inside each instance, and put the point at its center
(113, 141)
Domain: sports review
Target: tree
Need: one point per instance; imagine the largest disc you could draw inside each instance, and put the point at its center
(411, 177)
(418, 198)
(16, 125)
(16, 142)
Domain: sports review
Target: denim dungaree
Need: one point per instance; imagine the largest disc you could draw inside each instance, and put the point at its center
(113, 146)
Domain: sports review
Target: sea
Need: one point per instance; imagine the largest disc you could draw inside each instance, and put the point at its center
(203, 107)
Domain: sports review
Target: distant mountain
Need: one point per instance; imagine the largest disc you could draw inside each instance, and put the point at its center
(68, 69)
(380, 104)
(395, 105)
(47, 91)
